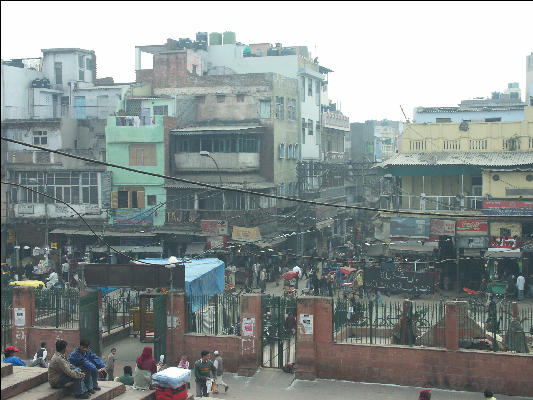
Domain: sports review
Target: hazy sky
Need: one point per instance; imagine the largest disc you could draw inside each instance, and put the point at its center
(382, 54)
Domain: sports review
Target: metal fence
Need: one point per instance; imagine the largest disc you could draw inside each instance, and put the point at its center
(57, 307)
(370, 322)
(492, 326)
(217, 314)
(7, 315)
(117, 309)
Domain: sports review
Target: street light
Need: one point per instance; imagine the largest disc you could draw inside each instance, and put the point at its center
(172, 263)
(206, 154)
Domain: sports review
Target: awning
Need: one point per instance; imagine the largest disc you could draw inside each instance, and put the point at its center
(194, 249)
(238, 181)
(503, 254)
(133, 249)
(427, 247)
(270, 242)
(80, 232)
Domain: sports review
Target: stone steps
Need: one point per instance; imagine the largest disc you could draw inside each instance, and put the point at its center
(31, 383)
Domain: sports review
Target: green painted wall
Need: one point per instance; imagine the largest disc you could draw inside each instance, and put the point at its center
(118, 140)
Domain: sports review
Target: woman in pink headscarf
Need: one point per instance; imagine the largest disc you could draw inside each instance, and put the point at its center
(146, 366)
(424, 395)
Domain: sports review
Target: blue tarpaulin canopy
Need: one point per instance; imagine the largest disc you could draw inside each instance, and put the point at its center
(203, 278)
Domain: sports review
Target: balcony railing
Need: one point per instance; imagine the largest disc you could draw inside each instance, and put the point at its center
(437, 203)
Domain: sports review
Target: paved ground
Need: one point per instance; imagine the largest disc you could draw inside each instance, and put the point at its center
(268, 384)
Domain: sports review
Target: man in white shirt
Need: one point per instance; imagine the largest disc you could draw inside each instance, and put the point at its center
(520, 284)
(39, 359)
(65, 268)
(52, 280)
(299, 270)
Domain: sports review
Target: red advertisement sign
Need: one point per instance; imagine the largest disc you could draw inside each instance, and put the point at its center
(442, 227)
(472, 225)
(215, 226)
(507, 204)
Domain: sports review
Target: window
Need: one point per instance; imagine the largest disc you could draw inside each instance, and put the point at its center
(58, 69)
(291, 109)
(68, 186)
(200, 99)
(221, 98)
(240, 98)
(290, 154)
(452, 145)
(143, 154)
(160, 110)
(296, 151)
(493, 119)
(151, 199)
(442, 120)
(417, 145)
(282, 150)
(123, 199)
(81, 75)
(89, 63)
(81, 61)
(264, 109)
(280, 107)
(303, 88)
(128, 197)
(304, 125)
(194, 69)
(310, 87)
(479, 144)
(310, 126)
(317, 127)
(317, 93)
(40, 138)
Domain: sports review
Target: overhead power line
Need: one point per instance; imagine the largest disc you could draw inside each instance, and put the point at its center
(213, 186)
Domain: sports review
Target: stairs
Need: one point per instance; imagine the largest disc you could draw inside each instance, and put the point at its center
(31, 383)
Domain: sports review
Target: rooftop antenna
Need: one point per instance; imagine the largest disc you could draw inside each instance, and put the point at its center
(406, 119)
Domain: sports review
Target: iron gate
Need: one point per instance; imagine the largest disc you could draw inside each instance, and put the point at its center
(90, 320)
(160, 326)
(279, 330)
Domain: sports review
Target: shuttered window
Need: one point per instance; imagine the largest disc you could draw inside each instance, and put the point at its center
(143, 154)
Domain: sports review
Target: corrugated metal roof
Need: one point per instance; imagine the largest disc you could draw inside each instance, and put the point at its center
(133, 249)
(82, 232)
(488, 159)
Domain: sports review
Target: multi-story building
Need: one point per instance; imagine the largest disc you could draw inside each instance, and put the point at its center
(482, 169)
(44, 103)
(529, 79)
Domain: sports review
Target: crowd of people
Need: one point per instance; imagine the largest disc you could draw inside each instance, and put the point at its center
(45, 271)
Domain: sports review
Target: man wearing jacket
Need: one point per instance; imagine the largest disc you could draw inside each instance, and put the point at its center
(60, 372)
(89, 363)
(203, 370)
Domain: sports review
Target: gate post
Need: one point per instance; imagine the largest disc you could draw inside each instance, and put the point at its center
(23, 317)
(251, 328)
(175, 341)
(315, 326)
(452, 326)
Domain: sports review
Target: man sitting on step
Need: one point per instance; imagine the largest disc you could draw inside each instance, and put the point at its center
(11, 358)
(89, 363)
(61, 372)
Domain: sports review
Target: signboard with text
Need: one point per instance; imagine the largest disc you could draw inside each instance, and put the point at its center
(507, 207)
(215, 226)
(472, 227)
(246, 234)
(409, 227)
(129, 217)
(441, 227)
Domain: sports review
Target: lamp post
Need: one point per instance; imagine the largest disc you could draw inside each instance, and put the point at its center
(206, 154)
(172, 263)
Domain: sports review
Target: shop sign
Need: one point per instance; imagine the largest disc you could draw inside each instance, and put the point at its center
(475, 242)
(10, 236)
(92, 209)
(53, 245)
(246, 234)
(399, 281)
(215, 226)
(409, 227)
(442, 227)
(507, 207)
(128, 217)
(248, 326)
(105, 184)
(306, 324)
(20, 316)
(25, 208)
(467, 226)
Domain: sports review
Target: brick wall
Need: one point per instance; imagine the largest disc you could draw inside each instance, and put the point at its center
(228, 346)
(144, 75)
(50, 336)
(460, 370)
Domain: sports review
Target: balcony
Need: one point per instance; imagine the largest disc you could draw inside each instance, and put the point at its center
(226, 162)
(336, 121)
(56, 210)
(334, 156)
(439, 203)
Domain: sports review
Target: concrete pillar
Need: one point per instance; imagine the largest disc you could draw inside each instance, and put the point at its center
(251, 328)
(315, 327)
(23, 317)
(175, 345)
(137, 59)
(452, 326)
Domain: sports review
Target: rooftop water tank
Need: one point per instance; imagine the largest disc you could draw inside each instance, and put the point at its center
(215, 39)
(229, 37)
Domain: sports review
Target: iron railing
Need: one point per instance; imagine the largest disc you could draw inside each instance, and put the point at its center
(369, 322)
(7, 315)
(117, 309)
(218, 314)
(57, 307)
(493, 327)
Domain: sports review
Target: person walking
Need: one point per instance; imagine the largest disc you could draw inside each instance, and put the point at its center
(262, 280)
(110, 364)
(520, 285)
(28, 271)
(89, 363)
(65, 268)
(203, 370)
(39, 359)
(299, 276)
(184, 363)
(219, 365)
(61, 372)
